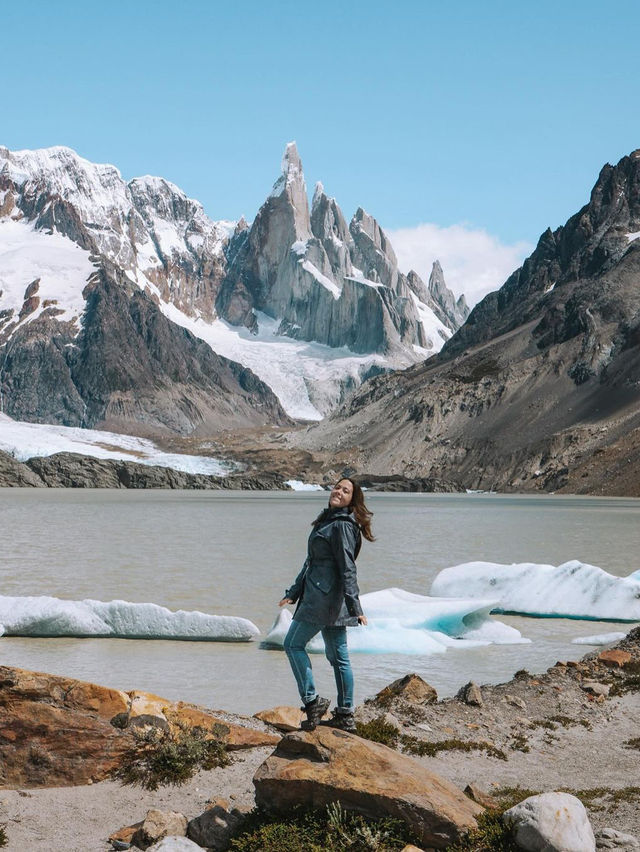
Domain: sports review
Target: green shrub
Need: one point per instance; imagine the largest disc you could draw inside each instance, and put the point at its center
(161, 756)
(413, 745)
(3, 836)
(378, 731)
(330, 830)
(492, 835)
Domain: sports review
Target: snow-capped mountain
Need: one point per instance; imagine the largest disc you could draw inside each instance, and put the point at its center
(540, 388)
(109, 291)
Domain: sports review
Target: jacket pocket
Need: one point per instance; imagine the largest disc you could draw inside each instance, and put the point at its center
(322, 580)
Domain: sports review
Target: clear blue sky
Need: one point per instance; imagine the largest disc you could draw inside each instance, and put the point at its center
(495, 114)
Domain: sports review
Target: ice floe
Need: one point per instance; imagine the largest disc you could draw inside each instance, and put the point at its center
(572, 590)
(401, 622)
(599, 639)
(49, 617)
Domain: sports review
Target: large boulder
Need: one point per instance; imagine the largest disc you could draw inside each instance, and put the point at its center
(57, 731)
(327, 765)
(551, 822)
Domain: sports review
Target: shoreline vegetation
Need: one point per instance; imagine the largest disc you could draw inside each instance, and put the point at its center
(69, 747)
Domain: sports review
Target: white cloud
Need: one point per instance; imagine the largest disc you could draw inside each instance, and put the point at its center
(473, 261)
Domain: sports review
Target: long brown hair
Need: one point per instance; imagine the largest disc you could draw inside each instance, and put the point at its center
(358, 507)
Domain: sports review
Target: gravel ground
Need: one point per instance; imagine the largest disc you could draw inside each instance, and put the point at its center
(552, 729)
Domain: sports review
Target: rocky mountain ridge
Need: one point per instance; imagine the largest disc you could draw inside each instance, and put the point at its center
(540, 388)
(97, 272)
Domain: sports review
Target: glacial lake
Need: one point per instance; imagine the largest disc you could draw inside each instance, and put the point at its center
(234, 553)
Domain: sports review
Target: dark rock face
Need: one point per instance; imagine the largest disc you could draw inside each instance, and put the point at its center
(128, 364)
(539, 389)
(452, 313)
(336, 284)
(72, 470)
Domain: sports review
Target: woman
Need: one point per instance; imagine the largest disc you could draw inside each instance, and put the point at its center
(327, 594)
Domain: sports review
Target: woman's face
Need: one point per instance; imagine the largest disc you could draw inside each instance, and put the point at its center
(341, 494)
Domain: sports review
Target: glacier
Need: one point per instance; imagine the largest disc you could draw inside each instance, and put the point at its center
(48, 617)
(572, 590)
(401, 622)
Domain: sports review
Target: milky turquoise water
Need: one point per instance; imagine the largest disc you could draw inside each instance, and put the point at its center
(235, 553)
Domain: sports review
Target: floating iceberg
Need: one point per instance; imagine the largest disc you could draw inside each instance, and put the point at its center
(49, 617)
(599, 639)
(400, 622)
(572, 590)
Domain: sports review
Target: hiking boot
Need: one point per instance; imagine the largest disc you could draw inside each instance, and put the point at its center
(342, 721)
(315, 710)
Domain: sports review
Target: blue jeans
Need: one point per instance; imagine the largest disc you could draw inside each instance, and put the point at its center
(335, 644)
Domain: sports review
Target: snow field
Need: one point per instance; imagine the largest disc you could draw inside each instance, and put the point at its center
(27, 440)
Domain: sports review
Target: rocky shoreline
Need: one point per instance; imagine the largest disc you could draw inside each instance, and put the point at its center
(73, 470)
(572, 728)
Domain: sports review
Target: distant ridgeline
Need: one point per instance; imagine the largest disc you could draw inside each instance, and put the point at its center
(540, 388)
(123, 305)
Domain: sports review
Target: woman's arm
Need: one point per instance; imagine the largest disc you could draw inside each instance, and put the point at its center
(293, 593)
(344, 537)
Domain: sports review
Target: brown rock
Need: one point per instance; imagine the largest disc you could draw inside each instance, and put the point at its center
(515, 702)
(233, 736)
(595, 688)
(47, 739)
(283, 718)
(125, 834)
(56, 731)
(327, 765)
(158, 824)
(100, 699)
(471, 694)
(480, 796)
(614, 658)
(411, 688)
(147, 709)
(214, 828)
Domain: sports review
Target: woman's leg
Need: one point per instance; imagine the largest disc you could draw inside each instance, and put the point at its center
(301, 632)
(335, 644)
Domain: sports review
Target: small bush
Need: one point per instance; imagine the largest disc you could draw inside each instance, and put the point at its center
(378, 731)
(633, 743)
(430, 749)
(161, 756)
(330, 830)
(492, 835)
(3, 836)
(519, 743)
(510, 796)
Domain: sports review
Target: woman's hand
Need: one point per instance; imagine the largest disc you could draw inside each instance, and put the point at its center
(285, 601)
(362, 619)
